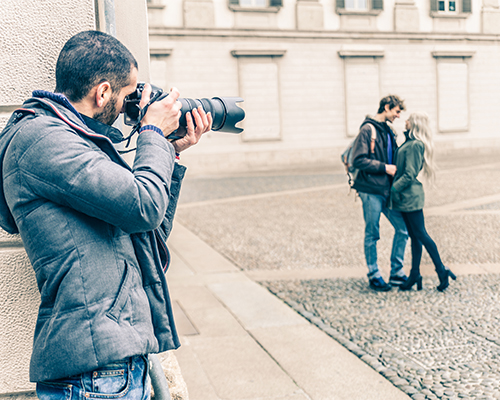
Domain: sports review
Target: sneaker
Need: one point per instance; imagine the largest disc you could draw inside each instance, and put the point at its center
(398, 280)
(379, 285)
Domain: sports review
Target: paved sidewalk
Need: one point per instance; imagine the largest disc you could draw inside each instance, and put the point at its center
(300, 234)
(241, 342)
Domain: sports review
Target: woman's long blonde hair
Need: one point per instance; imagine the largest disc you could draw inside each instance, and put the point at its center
(420, 130)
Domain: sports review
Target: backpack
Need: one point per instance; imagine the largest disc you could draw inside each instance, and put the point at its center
(347, 156)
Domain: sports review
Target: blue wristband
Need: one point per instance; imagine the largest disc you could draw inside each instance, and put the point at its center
(151, 128)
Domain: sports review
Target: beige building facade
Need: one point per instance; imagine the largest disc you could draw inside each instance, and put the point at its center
(310, 70)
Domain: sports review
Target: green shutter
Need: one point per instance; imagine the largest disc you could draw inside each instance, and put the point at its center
(275, 3)
(377, 4)
(466, 6)
(434, 5)
(234, 2)
(340, 4)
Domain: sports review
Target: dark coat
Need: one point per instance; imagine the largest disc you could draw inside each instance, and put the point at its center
(407, 193)
(94, 230)
(372, 177)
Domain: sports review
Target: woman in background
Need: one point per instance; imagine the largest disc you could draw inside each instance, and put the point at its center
(407, 196)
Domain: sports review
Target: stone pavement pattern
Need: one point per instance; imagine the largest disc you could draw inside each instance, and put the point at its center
(300, 234)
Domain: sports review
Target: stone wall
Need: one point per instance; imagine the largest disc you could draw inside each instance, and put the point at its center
(31, 36)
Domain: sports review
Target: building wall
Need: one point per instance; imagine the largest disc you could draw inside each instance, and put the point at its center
(329, 69)
(31, 35)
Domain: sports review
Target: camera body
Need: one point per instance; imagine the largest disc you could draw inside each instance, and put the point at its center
(225, 112)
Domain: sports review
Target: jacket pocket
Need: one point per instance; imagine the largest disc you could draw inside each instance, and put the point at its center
(122, 296)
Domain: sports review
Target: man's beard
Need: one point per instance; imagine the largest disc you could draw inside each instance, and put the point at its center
(109, 114)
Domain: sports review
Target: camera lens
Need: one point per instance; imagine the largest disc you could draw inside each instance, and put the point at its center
(225, 113)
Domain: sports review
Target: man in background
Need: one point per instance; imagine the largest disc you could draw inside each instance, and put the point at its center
(373, 153)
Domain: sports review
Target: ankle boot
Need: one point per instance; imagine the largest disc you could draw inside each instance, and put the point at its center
(444, 274)
(414, 277)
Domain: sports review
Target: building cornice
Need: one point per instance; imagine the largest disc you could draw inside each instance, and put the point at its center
(321, 35)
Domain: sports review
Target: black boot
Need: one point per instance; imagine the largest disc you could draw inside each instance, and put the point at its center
(443, 275)
(414, 277)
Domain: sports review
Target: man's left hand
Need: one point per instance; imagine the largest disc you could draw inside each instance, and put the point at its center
(203, 123)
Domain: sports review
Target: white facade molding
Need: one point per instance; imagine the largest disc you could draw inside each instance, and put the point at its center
(371, 13)
(258, 53)
(453, 53)
(237, 8)
(160, 52)
(361, 53)
(333, 35)
(351, 51)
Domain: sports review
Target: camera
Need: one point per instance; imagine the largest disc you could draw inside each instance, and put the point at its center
(225, 112)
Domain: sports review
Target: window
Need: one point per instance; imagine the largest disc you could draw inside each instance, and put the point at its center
(359, 6)
(356, 4)
(453, 96)
(447, 6)
(237, 5)
(259, 79)
(253, 3)
(453, 90)
(362, 85)
(453, 7)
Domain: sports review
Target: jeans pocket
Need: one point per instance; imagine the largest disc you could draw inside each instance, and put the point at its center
(53, 391)
(112, 381)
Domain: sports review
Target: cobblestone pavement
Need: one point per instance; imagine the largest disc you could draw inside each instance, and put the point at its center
(430, 344)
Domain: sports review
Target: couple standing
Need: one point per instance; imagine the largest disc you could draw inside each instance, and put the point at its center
(387, 184)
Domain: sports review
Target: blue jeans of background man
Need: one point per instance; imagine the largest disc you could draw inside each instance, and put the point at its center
(373, 206)
(124, 380)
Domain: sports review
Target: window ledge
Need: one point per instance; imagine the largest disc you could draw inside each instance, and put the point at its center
(258, 53)
(343, 11)
(361, 53)
(236, 8)
(452, 54)
(441, 14)
(160, 52)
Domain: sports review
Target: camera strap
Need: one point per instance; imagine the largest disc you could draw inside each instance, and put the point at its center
(136, 127)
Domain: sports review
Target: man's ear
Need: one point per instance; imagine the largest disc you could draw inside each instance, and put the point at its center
(103, 94)
(387, 108)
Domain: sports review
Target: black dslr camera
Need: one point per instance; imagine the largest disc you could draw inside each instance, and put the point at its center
(225, 113)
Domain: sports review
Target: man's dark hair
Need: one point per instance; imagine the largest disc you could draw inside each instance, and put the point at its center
(89, 58)
(393, 101)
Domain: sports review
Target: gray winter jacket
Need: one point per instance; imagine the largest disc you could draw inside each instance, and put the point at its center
(94, 230)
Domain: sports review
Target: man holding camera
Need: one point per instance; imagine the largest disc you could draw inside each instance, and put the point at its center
(93, 227)
(373, 152)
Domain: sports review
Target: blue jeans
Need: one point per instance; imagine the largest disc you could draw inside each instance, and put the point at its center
(373, 206)
(124, 380)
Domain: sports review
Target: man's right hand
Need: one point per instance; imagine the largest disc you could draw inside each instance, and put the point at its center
(390, 169)
(163, 114)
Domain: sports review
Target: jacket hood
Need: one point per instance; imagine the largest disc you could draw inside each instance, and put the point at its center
(45, 103)
(382, 126)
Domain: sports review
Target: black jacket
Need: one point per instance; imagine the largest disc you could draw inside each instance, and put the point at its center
(372, 177)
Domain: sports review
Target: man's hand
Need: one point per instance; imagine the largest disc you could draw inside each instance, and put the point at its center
(163, 114)
(390, 169)
(203, 124)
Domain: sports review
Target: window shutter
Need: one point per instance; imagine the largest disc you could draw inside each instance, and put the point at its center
(434, 5)
(377, 4)
(275, 3)
(340, 4)
(466, 6)
(234, 2)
